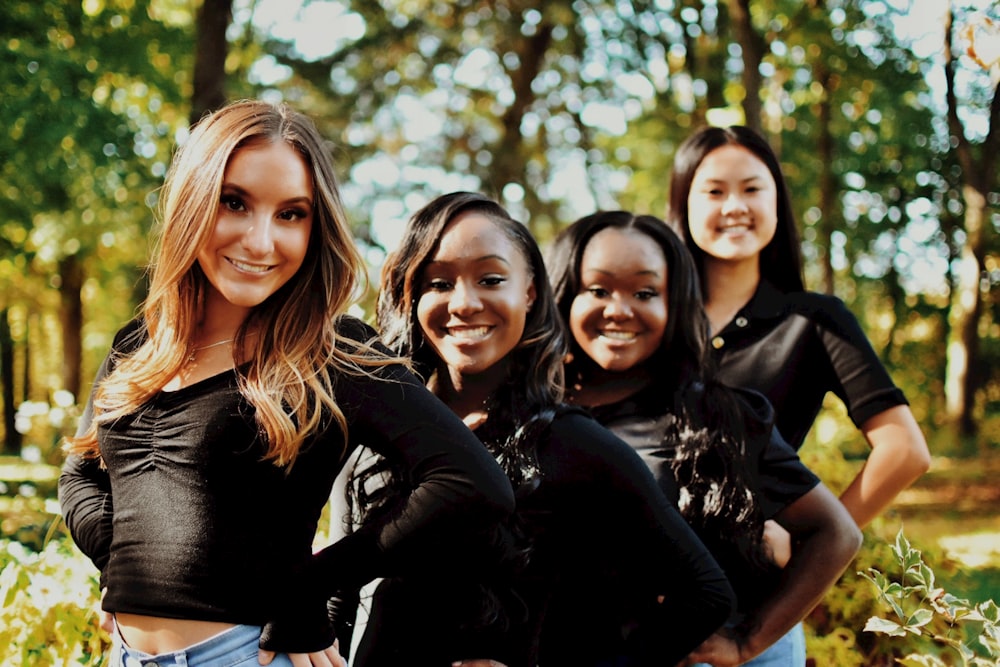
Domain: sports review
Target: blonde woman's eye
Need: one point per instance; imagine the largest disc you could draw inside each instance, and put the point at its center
(293, 214)
(232, 203)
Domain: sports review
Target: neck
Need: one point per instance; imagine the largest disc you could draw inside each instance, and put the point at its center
(466, 394)
(729, 286)
(601, 387)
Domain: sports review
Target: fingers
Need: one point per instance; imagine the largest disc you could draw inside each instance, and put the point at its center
(327, 658)
(265, 657)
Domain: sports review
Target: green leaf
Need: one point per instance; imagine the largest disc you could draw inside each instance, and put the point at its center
(920, 618)
(884, 627)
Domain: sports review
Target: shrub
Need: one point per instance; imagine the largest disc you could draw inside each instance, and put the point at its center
(50, 607)
(948, 625)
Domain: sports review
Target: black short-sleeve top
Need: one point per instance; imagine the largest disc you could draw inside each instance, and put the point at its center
(796, 347)
(777, 475)
(189, 521)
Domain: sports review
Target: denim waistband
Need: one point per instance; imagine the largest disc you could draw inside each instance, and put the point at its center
(236, 643)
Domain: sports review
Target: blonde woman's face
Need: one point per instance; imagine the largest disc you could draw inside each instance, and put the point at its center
(263, 226)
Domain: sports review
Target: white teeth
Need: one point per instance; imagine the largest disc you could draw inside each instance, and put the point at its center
(251, 268)
(469, 333)
(618, 335)
(739, 227)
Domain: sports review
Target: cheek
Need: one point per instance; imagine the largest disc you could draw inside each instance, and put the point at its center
(577, 318)
(425, 311)
(299, 244)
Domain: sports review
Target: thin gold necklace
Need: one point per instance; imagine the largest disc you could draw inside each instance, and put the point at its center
(196, 350)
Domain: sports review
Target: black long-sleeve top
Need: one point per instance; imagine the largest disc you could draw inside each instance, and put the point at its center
(796, 347)
(594, 509)
(188, 521)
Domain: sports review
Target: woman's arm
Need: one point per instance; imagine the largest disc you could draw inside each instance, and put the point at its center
(826, 539)
(898, 458)
(85, 493)
(688, 593)
(458, 493)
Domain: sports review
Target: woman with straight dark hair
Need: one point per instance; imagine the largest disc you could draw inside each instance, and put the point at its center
(730, 203)
(626, 287)
(466, 296)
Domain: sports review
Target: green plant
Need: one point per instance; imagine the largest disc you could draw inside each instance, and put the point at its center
(50, 607)
(920, 609)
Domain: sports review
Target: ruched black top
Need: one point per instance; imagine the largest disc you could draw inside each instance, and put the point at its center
(187, 520)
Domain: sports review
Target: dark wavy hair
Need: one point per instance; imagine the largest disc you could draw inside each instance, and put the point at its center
(534, 385)
(519, 411)
(709, 426)
(781, 259)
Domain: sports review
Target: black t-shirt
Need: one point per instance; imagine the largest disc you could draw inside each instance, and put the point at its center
(796, 347)
(188, 520)
(594, 508)
(772, 467)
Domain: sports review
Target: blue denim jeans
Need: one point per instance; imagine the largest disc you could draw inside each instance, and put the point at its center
(236, 647)
(789, 651)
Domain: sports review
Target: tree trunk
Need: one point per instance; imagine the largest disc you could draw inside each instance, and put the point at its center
(966, 303)
(12, 439)
(827, 181)
(752, 47)
(71, 319)
(211, 49)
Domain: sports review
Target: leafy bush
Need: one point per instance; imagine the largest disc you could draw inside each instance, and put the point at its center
(50, 607)
(948, 625)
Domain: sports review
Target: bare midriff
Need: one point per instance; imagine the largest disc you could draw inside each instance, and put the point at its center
(154, 635)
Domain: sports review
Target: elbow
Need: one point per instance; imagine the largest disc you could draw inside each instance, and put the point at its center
(846, 539)
(852, 541)
(723, 599)
(920, 459)
(495, 499)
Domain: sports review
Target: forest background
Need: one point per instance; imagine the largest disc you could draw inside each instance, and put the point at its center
(885, 120)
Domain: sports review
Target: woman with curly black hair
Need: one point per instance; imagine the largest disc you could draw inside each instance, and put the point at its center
(467, 298)
(627, 288)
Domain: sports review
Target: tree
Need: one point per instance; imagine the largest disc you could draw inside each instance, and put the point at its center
(977, 162)
(88, 107)
(211, 49)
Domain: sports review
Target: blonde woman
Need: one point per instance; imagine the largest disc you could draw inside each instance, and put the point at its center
(223, 413)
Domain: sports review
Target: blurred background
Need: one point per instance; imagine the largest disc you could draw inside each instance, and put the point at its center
(885, 114)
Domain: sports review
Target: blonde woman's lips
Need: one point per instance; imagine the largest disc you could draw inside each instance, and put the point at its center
(250, 268)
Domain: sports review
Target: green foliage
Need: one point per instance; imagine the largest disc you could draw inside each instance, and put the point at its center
(921, 609)
(50, 607)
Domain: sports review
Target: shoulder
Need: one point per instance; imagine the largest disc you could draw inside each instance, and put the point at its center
(751, 408)
(822, 308)
(574, 429)
(350, 328)
(130, 337)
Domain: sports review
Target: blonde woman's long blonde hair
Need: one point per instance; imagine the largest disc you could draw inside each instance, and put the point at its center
(296, 353)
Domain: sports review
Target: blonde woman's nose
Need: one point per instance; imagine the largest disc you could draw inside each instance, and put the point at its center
(259, 238)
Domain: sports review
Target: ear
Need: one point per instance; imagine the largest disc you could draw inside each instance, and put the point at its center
(532, 295)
